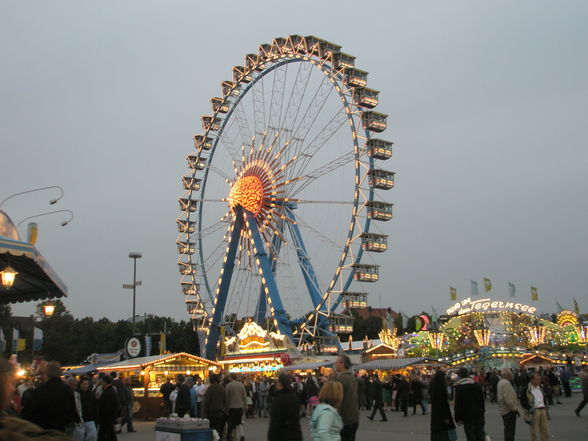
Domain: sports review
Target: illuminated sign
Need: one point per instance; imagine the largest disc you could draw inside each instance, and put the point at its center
(566, 318)
(468, 305)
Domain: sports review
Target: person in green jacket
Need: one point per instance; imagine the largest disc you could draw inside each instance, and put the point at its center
(326, 423)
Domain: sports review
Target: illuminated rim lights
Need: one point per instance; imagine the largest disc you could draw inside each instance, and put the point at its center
(259, 179)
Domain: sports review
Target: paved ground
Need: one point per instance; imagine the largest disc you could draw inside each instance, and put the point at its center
(565, 426)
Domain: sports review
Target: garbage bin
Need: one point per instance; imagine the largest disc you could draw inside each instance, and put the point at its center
(182, 429)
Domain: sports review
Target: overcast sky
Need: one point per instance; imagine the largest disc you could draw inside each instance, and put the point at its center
(487, 105)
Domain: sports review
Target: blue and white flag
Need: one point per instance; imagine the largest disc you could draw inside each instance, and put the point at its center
(473, 288)
(434, 315)
(15, 336)
(37, 339)
(511, 289)
(148, 346)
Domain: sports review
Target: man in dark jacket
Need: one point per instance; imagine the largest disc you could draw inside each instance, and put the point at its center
(183, 400)
(285, 412)
(108, 411)
(52, 404)
(469, 406)
(166, 389)
(89, 408)
(349, 409)
(129, 401)
(213, 405)
(378, 399)
(403, 394)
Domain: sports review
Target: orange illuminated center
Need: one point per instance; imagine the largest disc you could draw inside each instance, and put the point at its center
(248, 193)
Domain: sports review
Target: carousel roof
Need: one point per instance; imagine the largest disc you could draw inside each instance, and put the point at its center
(141, 362)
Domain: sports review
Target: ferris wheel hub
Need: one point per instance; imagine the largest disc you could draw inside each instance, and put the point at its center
(248, 193)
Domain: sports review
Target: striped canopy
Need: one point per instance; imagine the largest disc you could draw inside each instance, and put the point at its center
(35, 280)
(389, 364)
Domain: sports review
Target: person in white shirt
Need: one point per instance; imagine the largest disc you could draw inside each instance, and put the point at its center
(536, 406)
(200, 389)
(508, 404)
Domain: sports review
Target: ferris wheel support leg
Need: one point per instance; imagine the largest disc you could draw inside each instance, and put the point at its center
(268, 280)
(223, 285)
(261, 308)
(310, 278)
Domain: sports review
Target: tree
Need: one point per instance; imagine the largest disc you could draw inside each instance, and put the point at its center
(370, 326)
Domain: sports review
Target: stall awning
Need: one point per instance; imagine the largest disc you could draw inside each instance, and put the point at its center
(35, 280)
(83, 370)
(308, 366)
(142, 362)
(389, 364)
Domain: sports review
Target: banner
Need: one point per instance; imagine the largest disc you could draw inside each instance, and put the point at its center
(534, 295)
(487, 285)
(22, 344)
(14, 340)
(37, 339)
(148, 346)
(474, 288)
(2, 342)
(452, 293)
(512, 289)
(162, 342)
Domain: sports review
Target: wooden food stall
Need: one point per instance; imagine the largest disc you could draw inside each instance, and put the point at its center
(149, 373)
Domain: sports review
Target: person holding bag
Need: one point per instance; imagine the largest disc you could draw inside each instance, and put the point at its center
(442, 425)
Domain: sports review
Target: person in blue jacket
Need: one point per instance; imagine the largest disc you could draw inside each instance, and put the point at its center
(326, 423)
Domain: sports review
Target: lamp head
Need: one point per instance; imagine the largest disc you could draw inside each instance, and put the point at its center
(64, 223)
(7, 276)
(135, 255)
(53, 201)
(48, 309)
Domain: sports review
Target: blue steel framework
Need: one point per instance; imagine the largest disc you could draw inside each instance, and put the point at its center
(327, 58)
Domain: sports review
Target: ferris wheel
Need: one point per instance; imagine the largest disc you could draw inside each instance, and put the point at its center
(280, 218)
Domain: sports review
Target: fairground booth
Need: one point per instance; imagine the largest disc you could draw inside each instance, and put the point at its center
(487, 333)
(149, 373)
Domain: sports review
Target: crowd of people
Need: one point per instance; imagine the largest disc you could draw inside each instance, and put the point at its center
(58, 407)
(62, 407)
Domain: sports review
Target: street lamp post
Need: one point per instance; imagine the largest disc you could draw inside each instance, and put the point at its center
(63, 224)
(134, 256)
(51, 202)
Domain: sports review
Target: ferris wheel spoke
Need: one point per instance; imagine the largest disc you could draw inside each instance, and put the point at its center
(258, 98)
(323, 136)
(296, 96)
(243, 124)
(213, 228)
(311, 177)
(322, 236)
(277, 98)
(309, 117)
